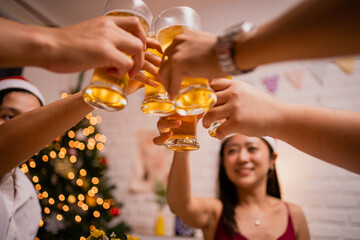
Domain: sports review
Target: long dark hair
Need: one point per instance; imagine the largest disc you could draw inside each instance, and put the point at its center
(228, 194)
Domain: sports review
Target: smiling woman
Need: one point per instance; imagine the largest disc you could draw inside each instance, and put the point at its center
(249, 205)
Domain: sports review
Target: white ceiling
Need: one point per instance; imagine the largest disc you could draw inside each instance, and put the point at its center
(66, 12)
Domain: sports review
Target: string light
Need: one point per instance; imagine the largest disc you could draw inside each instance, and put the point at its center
(82, 238)
(92, 227)
(95, 180)
(91, 129)
(45, 194)
(38, 187)
(106, 205)
(71, 144)
(95, 189)
(52, 154)
(65, 208)
(71, 134)
(79, 182)
(99, 201)
(100, 146)
(82, 146)
(64, 95)
(80, 203)
(91, 193)
(96, 214)
(85, 207)
(103, 138)
(61, 155)
(40, 196)
(73, 159)
(89, 115)
(81, 197)
(83, 172)
(93, 121)
(77, 218)
(61, 197)
(71, 199)
(45, 158)
(46, 210)
(41, 223)
(51, 201)
(32, 163)
(59, 217)
(86, 131)
(71, 175)
(24, 168)
(35, 179)
(99, 119)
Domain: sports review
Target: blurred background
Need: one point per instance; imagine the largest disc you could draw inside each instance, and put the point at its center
(329, 196)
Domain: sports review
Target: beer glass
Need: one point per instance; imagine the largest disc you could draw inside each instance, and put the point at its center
(156, 102)
(105, 91)
(184, 137)
(195, 95)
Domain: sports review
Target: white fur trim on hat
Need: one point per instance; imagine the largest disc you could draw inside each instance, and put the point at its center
(272, 142)
(21, 83)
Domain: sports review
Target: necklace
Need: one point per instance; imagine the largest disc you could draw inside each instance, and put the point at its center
(257, 219)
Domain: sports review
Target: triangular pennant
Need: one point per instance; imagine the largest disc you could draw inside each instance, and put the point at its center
(318, 70)
(271, 83)
(295, 77)
(346, 63)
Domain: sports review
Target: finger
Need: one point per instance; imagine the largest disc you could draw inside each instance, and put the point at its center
(164, 125)
(215, 114)
(150, 67)
(222, 98)
(133, 86)
(132, 25)
(121, 64)
(153, 59)
(147, 80)
(220, 84)
(164, 73)
(225, 129)
(139, 61)
(154, 44)
(162, 139)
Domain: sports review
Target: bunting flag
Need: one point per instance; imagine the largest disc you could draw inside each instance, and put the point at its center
(346, 64)
(271, 83)
(318, 70)
(295, 77)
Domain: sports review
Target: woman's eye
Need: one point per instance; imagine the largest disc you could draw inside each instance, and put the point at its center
(252, 149)
(231, 151)
(7, 116)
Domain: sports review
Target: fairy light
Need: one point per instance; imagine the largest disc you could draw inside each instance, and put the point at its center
(77, 218)
(91, 193)
(32, 163)
(85, 207)
(61, 155)
(79, 182)
(38, 187)
(61, 197)
(24, 168)
(96, 214)
(95, 180)
(65, 208)
(71, 175)
(82, 238)
(71, 144)
(89, 115)
(51, 201)
(71, 199)
(35, 179)
(83, 172)
(71, 134)
(57, 146)
(99, 201)
(100, 146)
(45, 194)
(60, 206)
(64, 95)
(103, 138)
(86, 131)
(81, 197)
(106, 205)
(82, 146)
(80, 203)
(52, 154)
(92, 227)
(99, 119)
(73, 159)
(93, 121)
(91, 129)
(40, 196)
(95, 189)
(41, 223)
(59, 217)
(46, 210)
(45, 158)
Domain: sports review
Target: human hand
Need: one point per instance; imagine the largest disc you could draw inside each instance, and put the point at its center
(245, 109)
(191, 54)
(151, 65)
(105, 41)
(164, 125)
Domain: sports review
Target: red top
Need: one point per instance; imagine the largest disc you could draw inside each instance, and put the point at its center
(289, 233)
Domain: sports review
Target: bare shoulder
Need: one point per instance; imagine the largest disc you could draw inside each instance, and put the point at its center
(299, 221)
(295, 211)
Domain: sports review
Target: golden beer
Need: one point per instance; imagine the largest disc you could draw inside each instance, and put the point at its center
(195, 95)
(184, 137)
(156, 102)
(105, 91)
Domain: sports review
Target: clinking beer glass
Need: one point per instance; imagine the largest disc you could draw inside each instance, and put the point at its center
(105, 91)
(195, 95)
(184, 137)
(156, 102)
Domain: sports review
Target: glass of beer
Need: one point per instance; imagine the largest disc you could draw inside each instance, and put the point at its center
(105, 91)
(195, 95)
(156, 102)
(184, 137)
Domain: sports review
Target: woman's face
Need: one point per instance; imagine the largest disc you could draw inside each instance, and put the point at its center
(247, 161)
(16, 103)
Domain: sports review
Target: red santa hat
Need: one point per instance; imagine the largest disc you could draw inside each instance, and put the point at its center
(21, 83)
(272, 142)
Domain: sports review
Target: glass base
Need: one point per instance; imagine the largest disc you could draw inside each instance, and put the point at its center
(105, 96)
(180, 145)
(195, 100)
(157, 106)
(213, 127)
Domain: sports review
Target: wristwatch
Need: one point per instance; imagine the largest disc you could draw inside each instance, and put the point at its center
(225, 49)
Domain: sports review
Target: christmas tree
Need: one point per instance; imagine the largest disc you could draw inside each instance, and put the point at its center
(74, 192)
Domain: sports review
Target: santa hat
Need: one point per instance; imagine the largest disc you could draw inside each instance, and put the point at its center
(272, 142)
(21, 83)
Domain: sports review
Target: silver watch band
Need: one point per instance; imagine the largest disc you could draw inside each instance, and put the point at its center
(224, 48)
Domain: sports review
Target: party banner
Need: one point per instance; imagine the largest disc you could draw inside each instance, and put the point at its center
(346, 64)
(295, 77)
(318, 70)
(271, 83)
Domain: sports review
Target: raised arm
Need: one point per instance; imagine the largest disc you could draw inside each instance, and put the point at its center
(26, 134)
(329, 134)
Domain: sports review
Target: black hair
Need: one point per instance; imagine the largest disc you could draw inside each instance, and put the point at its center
(228, 193)
(5, 92)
